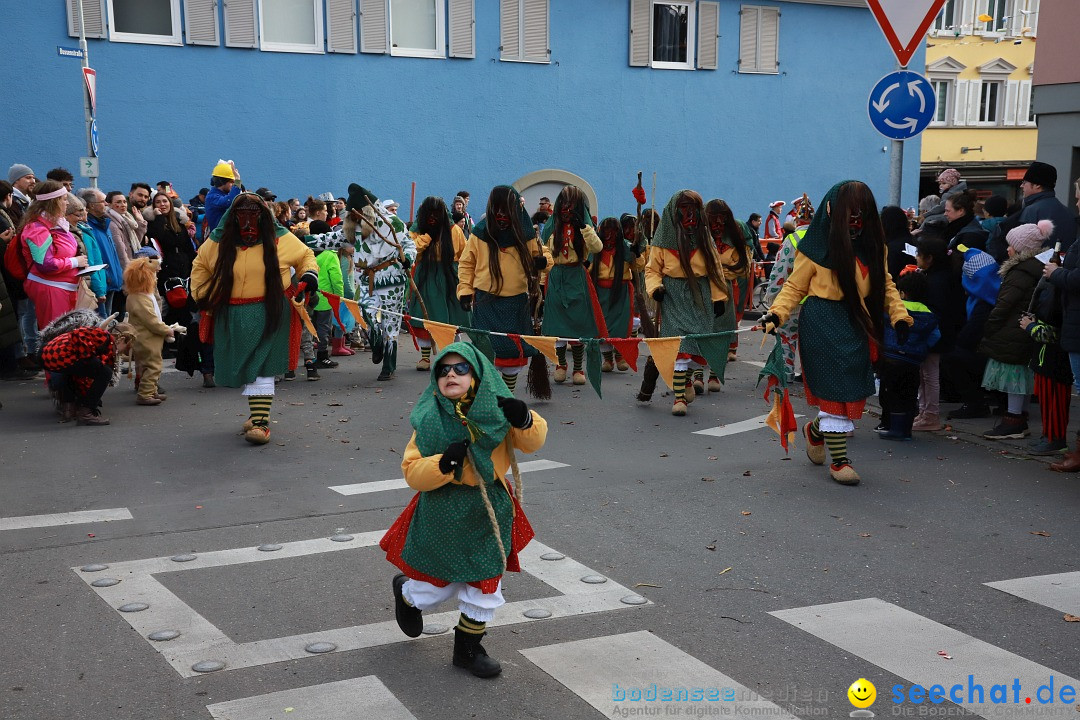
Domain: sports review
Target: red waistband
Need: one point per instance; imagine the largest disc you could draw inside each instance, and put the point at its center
(246, 301)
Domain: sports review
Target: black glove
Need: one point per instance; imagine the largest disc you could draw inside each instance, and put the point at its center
(453, 456)
(718, 307)
(405, 261)
(516, 411)
(767, 319)
(658, 294)
(466, 302)
(308, 283)
(903, 332)
(539, 262)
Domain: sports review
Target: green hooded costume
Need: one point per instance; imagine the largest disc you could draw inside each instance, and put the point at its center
(445, 535)
(570, 307)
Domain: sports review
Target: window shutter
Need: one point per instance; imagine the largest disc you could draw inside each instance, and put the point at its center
(340, 26)
(1023, 104)
(1012, 116)
(748, 39)
(509, 29)
(960, 103)
(965, 16)
(373, 26)
(240, 24)
(981, 7)
(708, 35)
(462, 29)
(640, 22)
(1031, 20)
(974, 96)
(769, 40)
(93, 16)
(201, 22)
(1016, 18)
(535, 40)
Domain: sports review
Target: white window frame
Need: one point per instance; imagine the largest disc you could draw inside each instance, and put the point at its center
(940, 27)
(758, 68)
(144, 39)
(440, 34)
(950, 99)
(521, 56)
(691, 35)
(316, 48)
(999, 102)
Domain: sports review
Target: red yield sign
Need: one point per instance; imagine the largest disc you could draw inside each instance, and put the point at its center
(905, 23)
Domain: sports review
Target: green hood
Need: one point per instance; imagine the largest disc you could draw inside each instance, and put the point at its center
(481, 230)
(667, 232)
(815, 244)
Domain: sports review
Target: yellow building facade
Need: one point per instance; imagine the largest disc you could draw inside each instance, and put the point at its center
(980, 57)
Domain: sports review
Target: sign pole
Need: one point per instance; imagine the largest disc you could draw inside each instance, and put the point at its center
(87, 114)
(896, 171)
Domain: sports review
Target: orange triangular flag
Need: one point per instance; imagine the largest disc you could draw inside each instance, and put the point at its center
(544, 344)
(441, 333)
(354, 309)
(664, 351)
(304, 318)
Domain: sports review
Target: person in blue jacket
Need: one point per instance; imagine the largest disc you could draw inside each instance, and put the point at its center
(97, 232)
(224, 187)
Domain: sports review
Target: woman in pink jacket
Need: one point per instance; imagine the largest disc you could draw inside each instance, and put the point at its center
(50, 253)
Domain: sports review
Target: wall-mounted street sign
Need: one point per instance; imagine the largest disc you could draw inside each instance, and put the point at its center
(69, 52)
(88, 167)
(901, 105)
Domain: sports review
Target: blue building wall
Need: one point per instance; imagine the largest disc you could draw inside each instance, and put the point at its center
(304, 124)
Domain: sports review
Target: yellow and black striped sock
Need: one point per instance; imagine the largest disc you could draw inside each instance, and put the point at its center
(578, 352)
(713, 376)
(560, 353)
(609, 356)
(837, 444)
(259, 407)
(815, 430)
(467, 625)
(425, 353)
(510, 380)
(699, 376)
(680, 385)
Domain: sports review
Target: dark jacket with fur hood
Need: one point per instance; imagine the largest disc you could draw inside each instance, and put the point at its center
(1003, 338)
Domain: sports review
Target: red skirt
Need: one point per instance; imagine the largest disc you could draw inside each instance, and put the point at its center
(850, 410)
(393, 543)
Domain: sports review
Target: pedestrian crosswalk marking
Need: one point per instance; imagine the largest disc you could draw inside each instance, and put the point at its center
(362, 698)
(907, 645)
(621, 674)
(201, 640)
(1060, 591)
(754, 423)
(69, 518)
(399, 483)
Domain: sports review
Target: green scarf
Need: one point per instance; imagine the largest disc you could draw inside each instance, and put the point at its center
(279, 230)
(815, 244)
(504, 238)
(437, 423)
(667, 232)
(582, 210)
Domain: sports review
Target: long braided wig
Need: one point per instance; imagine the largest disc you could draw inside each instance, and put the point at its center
(732, 232)
(701, 241)
(221, 278)
(618, 262)
(848, 246)
(439, 255)
(504, 198)
(571, 197)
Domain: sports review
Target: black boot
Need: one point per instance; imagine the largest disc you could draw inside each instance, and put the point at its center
(375, 340)
(389, 364)
(899, 426)
(470, 655)
(323, 361)
(409, 619)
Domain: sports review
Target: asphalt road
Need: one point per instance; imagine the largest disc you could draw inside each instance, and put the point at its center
(715, 532)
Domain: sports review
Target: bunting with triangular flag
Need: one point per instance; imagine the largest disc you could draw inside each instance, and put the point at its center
(714, 348)
(354, 309)
(441, 333)
(482, 341)
(628, 348)
(664, 351)
(544, 344)
(781, 416)
(593, 363)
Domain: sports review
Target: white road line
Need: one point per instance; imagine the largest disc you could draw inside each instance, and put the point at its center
(360, 698)
(907, 645)
(201, 640)
(755, 363)
(610, 672)
(1060, 591)
(754, 423)
(381, 485)
(68, 518)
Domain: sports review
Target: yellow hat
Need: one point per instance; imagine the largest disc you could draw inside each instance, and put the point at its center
(223, 170)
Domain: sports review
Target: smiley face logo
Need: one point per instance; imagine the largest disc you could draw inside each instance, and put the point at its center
(862, 693)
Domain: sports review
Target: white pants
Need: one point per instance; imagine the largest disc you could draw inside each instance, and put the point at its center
(827, 422)
(684, 364)
(473, 603)
(261, 386)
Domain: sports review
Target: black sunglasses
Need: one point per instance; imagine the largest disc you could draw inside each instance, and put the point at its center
(460, 369)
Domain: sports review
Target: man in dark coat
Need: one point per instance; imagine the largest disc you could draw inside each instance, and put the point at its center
(1041, 204)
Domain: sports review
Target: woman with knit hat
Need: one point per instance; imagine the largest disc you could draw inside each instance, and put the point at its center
(684, 273)
(1005, 342)
(839, 278)
(464, 528)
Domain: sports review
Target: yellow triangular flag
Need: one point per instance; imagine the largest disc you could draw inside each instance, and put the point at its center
(354, 308)
(441, 333)
(302, 312)
(544, 344)
(664, 351)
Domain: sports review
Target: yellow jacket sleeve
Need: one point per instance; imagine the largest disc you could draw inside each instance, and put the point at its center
(421, 240)
(593, 243)
(423, 473)
(795, 288)
(467, 266)
(201, 269)
(894, 305)
(654, 270)
(457, 237)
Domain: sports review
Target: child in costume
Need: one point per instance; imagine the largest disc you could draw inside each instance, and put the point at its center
(499, 278)
(571, 308)
(732, 245)
(685, 275)
(840, 271)
(783, 262)
(151, 332)
(240, 276)
(612, 276)
(464, 527)
(899, 369)
(1008, 345)
(439, 244)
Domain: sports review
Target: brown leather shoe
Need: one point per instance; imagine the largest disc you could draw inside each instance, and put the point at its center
(86, 416)
(143, 400)
(1071, 462)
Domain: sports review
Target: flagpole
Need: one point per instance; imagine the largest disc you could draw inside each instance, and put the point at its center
(87, 114)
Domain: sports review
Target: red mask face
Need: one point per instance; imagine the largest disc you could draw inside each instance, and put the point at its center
(855, 223)
(433, 220)
(248, 220)
(688, 216)
(716, 227)
(502, 219)
(628, 232)
(610, 236)
(565, 213)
